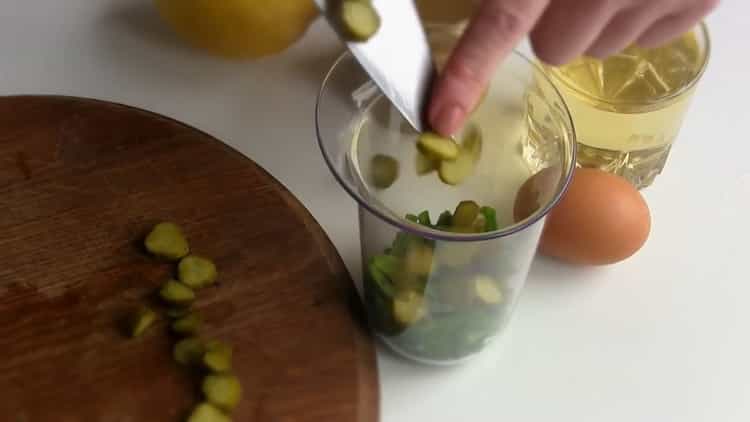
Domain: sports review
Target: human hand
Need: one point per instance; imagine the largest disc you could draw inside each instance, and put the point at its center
(559, 30)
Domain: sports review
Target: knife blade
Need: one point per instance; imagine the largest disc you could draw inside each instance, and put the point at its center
(397, 58)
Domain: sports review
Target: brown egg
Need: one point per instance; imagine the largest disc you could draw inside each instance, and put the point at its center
(602, 219)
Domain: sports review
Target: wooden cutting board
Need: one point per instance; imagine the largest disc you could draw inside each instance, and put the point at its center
(81, 183)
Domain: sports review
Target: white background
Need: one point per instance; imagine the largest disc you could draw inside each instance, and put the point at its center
(664, 336)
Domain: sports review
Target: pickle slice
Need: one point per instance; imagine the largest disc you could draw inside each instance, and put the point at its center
(426, 164)
(479, 224)
(438, 146)
(166, 240)
(143, 318)
(418, 259)
(176, 293)
(218, 356)
(409, 307)
(487, 290)
(222, 390)
(188, 351)
(189, 324)
(404, 280)
(206, 412)
(384, 171)
(196, 271)
(177, 312)
(465, 214)
(454, 172)
(359, 19)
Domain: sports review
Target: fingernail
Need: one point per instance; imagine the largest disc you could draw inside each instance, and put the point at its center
(448, 119)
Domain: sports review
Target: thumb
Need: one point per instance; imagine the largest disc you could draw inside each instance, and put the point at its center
(493, 32)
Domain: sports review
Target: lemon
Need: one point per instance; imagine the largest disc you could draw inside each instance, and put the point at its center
(239, 29)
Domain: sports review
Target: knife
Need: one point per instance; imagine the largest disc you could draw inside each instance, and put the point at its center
(397, 58)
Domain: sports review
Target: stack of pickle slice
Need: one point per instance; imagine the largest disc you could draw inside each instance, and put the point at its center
(425, 297)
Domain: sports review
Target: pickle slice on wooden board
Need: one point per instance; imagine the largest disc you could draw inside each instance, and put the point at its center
(218, 356)
(166, 240)
(206, 412)
(187, 325)
(176, 293)
(189, 351)
(222, 390)
(196, 271)
(177, 312)
(141, 320)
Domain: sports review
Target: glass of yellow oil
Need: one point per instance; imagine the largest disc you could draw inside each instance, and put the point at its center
(628, 108)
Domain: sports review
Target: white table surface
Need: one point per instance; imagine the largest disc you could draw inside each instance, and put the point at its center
(663, 336)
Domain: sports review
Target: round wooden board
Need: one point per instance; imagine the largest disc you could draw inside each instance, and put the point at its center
(81, 183)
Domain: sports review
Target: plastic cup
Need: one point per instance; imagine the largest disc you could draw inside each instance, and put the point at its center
(440, 291)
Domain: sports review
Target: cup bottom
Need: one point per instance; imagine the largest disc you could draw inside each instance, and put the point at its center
(400, 351)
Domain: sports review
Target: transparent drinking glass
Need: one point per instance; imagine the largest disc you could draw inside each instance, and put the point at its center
(444, 264)
(629, 108)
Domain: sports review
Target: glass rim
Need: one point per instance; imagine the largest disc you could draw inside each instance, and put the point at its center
(659, 102)
(401, 222)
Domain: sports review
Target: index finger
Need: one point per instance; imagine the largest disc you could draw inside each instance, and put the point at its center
(493, 32)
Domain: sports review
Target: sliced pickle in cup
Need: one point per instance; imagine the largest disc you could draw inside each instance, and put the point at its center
(437, 146)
